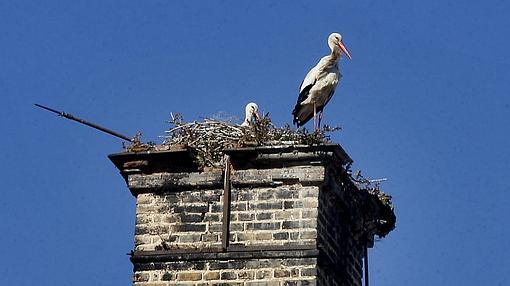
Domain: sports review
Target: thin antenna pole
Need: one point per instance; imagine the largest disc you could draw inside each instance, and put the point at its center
(90, 124)
(366, 265)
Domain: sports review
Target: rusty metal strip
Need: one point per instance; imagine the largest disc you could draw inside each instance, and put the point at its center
(225, 237)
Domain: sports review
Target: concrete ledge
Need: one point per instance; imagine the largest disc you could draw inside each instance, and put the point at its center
(286, 155)
(172, 182)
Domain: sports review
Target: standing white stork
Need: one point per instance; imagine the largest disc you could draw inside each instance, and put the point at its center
(319, 84)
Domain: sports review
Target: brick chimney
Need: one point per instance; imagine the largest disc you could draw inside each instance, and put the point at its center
(274, 215)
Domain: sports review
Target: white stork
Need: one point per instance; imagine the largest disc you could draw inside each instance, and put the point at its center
(319, 84)
(251, 114)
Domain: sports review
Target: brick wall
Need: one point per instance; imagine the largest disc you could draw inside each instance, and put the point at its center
(294, 219)
(248, 272)
(182, 218)
(341, 251)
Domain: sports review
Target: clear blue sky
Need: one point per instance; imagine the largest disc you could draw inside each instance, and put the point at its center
(425, 102)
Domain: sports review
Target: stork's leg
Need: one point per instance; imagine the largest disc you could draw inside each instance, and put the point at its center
(314, 117)
(320, 119)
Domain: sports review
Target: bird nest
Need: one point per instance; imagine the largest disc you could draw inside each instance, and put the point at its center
(210, 136)
(386, 222)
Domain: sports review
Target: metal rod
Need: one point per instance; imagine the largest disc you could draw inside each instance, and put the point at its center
(365, 266)
(226, 205)
(90, 124)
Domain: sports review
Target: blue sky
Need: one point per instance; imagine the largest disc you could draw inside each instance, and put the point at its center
(424, 102)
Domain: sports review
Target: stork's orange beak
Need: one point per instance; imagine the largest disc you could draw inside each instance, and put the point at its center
(344, 49)
(257, 116)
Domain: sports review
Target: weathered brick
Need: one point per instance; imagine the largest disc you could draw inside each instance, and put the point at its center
(263, 274)
(209, 197)
(142, 239)
(215, 227)
(146, 209)
(185, 227)
(191, 197)
(266, 205)
(286, 194)
(308, 234)
(279, 273)
(263, 226)
(210, 237)
(214, 275)
(246, 216)
(242, 206)
(311, 204)
(236, 227)
(143, 219)
(211, 217)
(245, 275)
(264, 216)
(287, 214)
(171, 198)
(228, 275)
(190, 217)
(294, 272)
(167, 276)
(217, 208)
(245, 236)
(142, 229)
(171, 218)
(299, 224)
(263, 235)
(197, 208)
(265, 195)
(309, 193)
(308, 271)
(281, 236)
(293, 204)
(189, 276)
(162, 209)
(190, 238)
(291, 224)
(144, 199)
(312, 213)
(245, 196)
(141, 277)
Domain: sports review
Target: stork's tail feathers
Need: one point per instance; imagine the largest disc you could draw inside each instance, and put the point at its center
(295, 117)
(302, 114)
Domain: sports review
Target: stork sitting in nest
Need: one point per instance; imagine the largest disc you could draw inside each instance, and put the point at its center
(251, 114)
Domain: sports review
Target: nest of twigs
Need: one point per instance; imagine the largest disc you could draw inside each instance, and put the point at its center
(386, 223)
(210, 136)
